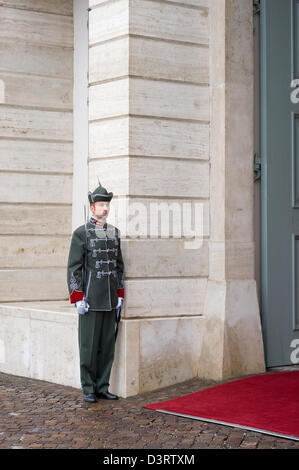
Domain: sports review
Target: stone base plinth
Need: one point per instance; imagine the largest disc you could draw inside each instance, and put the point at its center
(232, 343)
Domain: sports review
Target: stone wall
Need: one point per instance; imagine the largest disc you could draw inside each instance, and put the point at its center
(170, 122)
(36, 101)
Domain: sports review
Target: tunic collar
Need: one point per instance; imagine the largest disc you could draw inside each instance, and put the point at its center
(95, 221)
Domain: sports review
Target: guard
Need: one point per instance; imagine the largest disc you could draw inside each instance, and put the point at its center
(95, 277)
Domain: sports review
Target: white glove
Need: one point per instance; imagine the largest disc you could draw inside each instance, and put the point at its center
(82, 306)
(120, 301)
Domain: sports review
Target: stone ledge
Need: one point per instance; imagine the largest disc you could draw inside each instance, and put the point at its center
(39, 340)
(58, 311)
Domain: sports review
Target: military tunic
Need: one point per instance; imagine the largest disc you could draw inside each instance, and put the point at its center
(95, 266)
(96, 271)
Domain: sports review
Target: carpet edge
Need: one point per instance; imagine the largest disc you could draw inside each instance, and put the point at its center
(224, 423)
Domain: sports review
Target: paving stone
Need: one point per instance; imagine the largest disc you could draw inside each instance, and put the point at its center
(39, 415)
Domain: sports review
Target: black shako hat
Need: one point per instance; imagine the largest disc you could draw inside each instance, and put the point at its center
(99, 194)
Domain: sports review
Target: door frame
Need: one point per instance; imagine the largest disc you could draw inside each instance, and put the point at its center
(263, 149)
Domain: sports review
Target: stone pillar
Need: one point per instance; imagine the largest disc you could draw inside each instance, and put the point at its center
(149, 119)
(187, 312)
(232, 341)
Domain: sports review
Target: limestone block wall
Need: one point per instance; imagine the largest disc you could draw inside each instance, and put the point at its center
(36, 77)
(149, 117)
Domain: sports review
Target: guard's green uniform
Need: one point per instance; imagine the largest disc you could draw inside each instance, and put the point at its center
(96, 272)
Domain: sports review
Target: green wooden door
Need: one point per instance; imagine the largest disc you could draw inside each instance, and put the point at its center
(280, 179)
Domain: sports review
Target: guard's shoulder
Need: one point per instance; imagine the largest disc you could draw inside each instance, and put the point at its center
(79, 230)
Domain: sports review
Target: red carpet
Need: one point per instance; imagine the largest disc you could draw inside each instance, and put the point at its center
(266, 403)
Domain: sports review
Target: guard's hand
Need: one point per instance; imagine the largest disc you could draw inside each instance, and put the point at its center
(82, 306)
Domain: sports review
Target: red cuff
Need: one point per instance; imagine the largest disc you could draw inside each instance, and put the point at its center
(76, 296)
(121, 293)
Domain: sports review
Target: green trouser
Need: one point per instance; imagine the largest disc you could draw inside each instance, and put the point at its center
(96, 331)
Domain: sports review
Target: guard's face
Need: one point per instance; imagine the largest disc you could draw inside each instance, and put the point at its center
(100, 209)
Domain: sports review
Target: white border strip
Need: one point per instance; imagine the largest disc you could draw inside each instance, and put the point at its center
(286, 436)
(80, 113)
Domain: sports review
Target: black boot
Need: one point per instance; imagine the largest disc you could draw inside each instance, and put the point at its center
(107, 396)
(90, 397)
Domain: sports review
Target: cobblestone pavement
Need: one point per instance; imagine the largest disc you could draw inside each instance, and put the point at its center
(36, 414)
